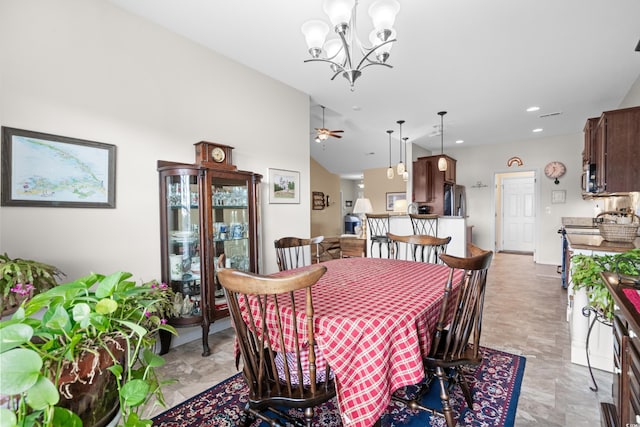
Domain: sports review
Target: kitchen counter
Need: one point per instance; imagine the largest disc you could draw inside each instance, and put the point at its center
(595, 242)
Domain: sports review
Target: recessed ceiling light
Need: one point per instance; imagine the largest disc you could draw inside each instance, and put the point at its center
(537, 130)
(459, 141)
(356, 108)
(530, 109)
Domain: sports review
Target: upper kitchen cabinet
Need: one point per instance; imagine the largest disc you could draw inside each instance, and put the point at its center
(429, 182)
(612, 142)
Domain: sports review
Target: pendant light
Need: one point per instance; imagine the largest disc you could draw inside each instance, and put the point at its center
(405, 174)
(390, 170)
(401, 166)
(442, 161)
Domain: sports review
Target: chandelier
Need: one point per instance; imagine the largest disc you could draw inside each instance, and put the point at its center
(341, 52)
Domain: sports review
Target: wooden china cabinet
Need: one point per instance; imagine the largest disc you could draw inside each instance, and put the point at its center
(209, 218)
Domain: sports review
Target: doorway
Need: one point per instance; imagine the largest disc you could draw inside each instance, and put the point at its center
(516, 212)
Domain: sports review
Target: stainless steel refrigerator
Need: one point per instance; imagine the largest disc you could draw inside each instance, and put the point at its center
(455, 200)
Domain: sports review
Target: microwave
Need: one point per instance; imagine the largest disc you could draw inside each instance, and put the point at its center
(589, 178)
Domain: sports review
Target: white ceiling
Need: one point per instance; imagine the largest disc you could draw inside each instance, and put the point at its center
(484, 62)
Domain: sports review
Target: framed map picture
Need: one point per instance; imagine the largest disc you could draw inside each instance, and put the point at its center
(39, 169)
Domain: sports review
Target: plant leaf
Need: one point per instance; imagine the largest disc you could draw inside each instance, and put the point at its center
(106, 306)
(13, 335)
(81, 312)
(7, 418)
(134, 392)
(57, 320)
(109, 283)
(141, 331)
(20, 369)
(66, 418)
(42, 394)
(151, 359)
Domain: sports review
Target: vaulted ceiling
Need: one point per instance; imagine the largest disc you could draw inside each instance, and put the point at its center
(485, 62)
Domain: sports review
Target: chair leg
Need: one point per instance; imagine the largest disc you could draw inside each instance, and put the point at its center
(466, 390)
(308, 416)
(447, 410)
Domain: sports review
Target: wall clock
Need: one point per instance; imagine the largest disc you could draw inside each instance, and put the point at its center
(555, 170)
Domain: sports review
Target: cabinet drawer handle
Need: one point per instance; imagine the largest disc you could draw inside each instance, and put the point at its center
(632, 334)
(617, 370)
(638, 419)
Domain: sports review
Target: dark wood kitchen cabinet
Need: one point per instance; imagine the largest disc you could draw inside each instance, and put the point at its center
(625, 409)
(612, 142)
(428, 182)
(209, 218)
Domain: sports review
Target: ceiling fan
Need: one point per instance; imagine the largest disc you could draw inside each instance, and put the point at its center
(324, 133)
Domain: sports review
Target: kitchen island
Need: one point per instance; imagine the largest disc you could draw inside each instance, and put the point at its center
(454, 226)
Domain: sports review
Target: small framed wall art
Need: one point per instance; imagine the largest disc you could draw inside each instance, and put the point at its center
(284, 186)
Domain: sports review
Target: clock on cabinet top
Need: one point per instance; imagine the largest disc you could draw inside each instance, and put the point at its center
(215, 155)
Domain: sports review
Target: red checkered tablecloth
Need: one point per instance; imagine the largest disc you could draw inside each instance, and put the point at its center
(374, 319)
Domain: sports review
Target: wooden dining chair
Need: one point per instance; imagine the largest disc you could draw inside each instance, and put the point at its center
(298, 378)
(456, 342)
(418, 247)
(378, 227)
(294, 252)
(424, 224)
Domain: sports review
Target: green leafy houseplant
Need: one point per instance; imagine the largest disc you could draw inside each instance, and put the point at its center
(21, 278)
(109, 322)
(585, 274)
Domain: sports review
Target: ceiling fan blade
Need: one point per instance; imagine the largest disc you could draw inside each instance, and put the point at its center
(336, 131)
(335, 136)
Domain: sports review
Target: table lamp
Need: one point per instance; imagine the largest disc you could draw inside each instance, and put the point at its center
(361, 208)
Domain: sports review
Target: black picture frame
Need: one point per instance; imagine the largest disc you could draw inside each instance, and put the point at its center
(46, 170)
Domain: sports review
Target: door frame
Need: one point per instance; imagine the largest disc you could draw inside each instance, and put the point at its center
(497, 205)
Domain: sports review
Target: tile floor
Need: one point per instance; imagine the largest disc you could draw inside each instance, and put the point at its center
(525, 312)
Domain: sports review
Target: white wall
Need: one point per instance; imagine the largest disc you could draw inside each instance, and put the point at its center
(482, 163)
(88, 70)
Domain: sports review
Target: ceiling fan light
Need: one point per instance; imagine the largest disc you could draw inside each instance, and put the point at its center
(338, 11)
(315, 32)
(390, 173)
(442, 164)
(383, 14)
(323, 136)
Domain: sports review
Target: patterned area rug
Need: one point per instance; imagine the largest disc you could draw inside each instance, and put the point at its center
(496, 387)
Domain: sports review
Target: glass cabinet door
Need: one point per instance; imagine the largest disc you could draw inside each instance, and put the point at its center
(231, 228)
(183, 242)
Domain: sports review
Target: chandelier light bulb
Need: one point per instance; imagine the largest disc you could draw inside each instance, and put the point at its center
(315, 32)
(383, 14)
(390, 173)
(405, 176)
(338, 11)
(400, 168)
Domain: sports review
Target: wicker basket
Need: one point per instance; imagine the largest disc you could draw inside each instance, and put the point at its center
(613, 232)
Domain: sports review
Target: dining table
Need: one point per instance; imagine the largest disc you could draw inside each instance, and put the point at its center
(373, 322)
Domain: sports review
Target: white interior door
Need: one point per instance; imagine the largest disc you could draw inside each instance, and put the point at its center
(518, 214)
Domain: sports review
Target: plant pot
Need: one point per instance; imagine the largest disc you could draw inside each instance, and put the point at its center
(89, 389)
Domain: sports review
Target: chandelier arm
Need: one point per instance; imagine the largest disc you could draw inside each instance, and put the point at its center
(376, 63)
(370, 51)
(347, 52)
